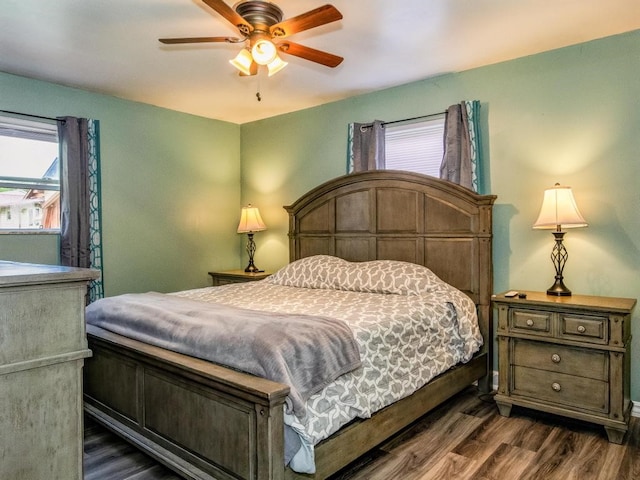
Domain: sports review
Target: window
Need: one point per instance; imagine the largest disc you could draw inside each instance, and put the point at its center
(417, 147)
(29, 176)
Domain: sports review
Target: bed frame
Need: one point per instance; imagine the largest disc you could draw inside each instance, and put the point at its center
(205, 421)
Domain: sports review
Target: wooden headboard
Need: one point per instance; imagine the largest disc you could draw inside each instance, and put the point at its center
(396, 215)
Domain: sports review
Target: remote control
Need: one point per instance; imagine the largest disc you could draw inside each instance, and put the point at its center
(511, 293)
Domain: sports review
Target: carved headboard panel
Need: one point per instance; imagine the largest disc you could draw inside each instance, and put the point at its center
(395, 215)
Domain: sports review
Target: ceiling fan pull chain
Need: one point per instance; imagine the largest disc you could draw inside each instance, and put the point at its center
(258, 92)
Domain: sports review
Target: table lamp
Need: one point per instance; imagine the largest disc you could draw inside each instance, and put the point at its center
(251, 222)
(558, 211)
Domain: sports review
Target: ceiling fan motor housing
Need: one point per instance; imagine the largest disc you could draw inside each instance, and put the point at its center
(260, 14)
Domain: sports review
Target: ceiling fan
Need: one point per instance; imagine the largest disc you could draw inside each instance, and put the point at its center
(265, 34)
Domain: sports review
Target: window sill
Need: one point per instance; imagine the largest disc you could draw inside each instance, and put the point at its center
(35, 231)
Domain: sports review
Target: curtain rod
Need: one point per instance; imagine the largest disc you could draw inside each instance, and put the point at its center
(29, 115)
(369, 125)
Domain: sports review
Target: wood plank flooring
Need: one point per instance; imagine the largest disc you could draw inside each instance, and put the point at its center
(108, 457)
(465, 439)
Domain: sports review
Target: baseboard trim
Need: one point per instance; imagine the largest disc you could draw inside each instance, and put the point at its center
(635, 410)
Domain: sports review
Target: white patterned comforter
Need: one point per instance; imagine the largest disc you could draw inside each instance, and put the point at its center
(409, 325)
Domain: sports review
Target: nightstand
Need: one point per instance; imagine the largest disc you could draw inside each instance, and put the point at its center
(236, 276)
(567, 356)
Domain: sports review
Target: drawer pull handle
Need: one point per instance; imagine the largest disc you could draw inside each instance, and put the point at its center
(556, 387)
(529, 322)
(581, 329)
(555, 358)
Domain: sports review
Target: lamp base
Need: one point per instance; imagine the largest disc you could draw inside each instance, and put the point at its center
(251, 250)
(559, 257)
(251, 268)
(559, 289)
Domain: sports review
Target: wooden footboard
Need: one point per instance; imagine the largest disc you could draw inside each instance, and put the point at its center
(209, 422)
(201, 420)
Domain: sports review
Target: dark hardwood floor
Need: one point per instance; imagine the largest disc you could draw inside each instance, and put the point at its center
(108, 457)
(463, 440)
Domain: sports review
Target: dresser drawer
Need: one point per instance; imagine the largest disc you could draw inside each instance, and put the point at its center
(578, 362)
(561, 389)
(532, 322)
(584, 328)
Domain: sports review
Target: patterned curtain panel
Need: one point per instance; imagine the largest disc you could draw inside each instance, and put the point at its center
(461, 159)
(366, 148)
(80, 222)
(96, 287)
(473, 116)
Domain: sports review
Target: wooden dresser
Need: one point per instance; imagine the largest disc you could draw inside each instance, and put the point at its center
(42, 350)
(566, 355)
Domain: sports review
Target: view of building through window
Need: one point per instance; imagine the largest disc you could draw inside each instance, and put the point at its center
(29, 176)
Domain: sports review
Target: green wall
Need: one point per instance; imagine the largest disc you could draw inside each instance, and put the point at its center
(570, 116)
(170, 189)
(173, 183)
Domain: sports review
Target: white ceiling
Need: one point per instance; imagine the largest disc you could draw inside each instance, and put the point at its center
(111, 47)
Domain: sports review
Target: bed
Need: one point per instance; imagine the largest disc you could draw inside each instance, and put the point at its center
(208, 421)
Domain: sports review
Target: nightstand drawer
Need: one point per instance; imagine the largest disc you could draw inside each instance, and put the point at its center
(236, 276)
(562, 389)
(227, 280)
(584, 328)
(530, 321)
(578, 362)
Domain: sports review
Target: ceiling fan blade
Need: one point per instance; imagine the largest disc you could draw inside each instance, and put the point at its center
(231, 15)
(311, 19)
(173, 41)
(311, 54)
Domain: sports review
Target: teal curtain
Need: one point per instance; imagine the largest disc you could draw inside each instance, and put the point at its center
(350, 148)
(473, 116)
(96, 287)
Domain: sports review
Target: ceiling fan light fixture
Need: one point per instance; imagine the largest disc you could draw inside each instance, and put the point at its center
(276, 65)
(259, 22)
(243, 61)
(264, 52)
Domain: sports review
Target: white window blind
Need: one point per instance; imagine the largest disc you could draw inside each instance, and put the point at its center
(416, 147)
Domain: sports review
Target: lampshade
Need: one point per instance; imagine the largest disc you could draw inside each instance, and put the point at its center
(243, 61)
(250, 220)
(263, 52)
(559, 210)
(276, 65)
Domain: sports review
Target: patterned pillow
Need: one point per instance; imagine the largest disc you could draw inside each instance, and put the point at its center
(377, 276)
(309, 272)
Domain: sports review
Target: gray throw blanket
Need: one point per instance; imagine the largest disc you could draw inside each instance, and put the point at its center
(302, 351)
